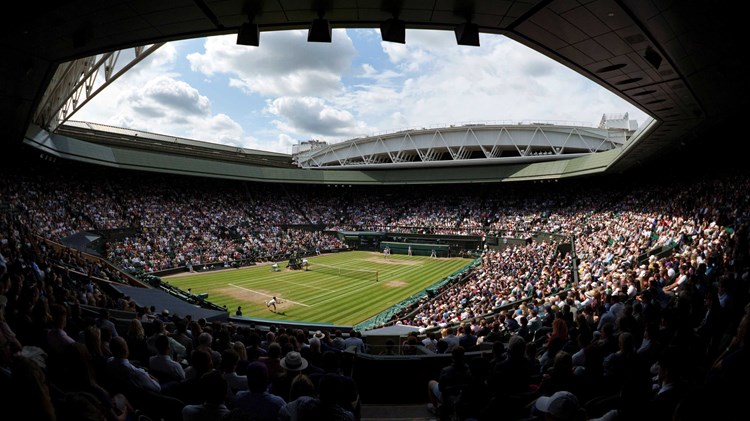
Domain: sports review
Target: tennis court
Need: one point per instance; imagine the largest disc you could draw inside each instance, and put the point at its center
(339, 288)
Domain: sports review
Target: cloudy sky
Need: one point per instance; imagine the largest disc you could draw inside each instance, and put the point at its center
(288, 90)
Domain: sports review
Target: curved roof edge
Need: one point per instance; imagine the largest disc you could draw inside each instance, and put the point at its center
(126, 156)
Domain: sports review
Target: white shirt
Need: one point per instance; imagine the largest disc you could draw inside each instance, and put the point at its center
(204, 412)
(681, 280)
(138, 376)
(235, 382)
(165, 364)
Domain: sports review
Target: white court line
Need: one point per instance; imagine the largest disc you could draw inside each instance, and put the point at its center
(261, 293)
(306, 286)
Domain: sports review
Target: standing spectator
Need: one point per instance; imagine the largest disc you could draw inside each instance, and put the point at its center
(430, 342)
(354, 342)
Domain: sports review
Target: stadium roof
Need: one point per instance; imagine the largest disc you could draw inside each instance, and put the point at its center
(679, 62)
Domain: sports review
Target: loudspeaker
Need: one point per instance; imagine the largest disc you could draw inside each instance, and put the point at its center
(320, 31)
(467, 34)
(249, 34)
(393, 30)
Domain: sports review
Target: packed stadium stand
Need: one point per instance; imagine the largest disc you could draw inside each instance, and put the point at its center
(612, 286)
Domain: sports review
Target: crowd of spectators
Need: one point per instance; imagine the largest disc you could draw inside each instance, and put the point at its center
(633, 334)
(504, 277)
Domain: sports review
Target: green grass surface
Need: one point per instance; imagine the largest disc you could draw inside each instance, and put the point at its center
(318, 296)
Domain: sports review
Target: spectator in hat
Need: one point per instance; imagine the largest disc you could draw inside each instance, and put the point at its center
(293, 364)
(561, 406)
(164, 316)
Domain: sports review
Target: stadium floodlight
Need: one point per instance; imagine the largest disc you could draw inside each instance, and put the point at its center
(249, 34)
(467, 33)
(393, 30)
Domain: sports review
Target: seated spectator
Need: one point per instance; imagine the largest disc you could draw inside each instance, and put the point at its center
(205, 341)
(293, 364)
(136, 339)
(235, 382)
(256, 401)
(162, 366)
(103, 322)
(123, 374)
(450, 382)
(57, 338)
(331, 390)
(212, 386)
(302, 400)
(561, 406)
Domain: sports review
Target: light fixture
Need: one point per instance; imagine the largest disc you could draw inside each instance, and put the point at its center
(249, 34)
(467, 33)
(653, 57)
(320, 31)
(393, 30)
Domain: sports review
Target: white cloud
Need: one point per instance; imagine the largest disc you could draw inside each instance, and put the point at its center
(165, 96)
(333, 92)
(219, 128)
(154, 99)
(309, 115)
(284, 64)
(369, 70)
(502, 80)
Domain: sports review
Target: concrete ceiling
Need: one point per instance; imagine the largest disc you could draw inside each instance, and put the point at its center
(679, 61)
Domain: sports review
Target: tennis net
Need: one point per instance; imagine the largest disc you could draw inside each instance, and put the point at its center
(345, 272)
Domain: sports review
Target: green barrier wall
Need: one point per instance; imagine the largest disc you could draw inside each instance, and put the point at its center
(441, 250)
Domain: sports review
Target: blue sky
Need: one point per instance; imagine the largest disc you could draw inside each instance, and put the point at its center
(288, 90)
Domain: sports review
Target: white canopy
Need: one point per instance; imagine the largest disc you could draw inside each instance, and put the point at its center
(391, 331)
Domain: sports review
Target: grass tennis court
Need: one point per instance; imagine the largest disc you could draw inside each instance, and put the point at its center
(319, 295)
